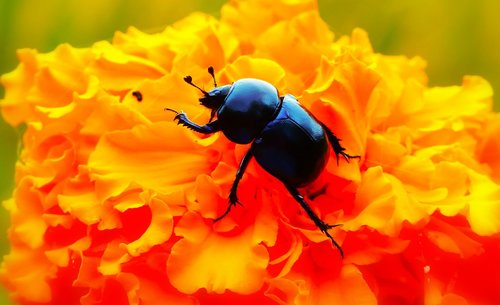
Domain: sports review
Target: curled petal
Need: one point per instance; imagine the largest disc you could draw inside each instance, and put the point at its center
(384, 204)
(147, 156)
(158, 231)
(191, 265)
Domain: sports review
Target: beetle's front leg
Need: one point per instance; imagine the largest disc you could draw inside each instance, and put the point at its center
(233, 198)
(211, 127)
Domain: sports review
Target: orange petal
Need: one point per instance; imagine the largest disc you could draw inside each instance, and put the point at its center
(383, 204)
(366, 246)
(84, 206)
(317, 286)
(160, 156)
(451, 238)
(262, 14)
(489, 146)
(304, 41)
(28, 272)
(453, 299)
(192, 264)
(261, 68)
(61, 256)
(349, 288)
(158, 231)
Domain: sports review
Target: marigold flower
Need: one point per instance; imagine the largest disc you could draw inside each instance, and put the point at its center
(114, 202)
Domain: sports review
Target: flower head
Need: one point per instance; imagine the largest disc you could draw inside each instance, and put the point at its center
(114, 201)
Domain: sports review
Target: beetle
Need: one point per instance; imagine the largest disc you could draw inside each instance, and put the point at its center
(287, 140)
(138, 95)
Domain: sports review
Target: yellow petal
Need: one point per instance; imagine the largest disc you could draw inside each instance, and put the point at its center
(83, 206)
(246, 66)
(484, 201)
(119, 71)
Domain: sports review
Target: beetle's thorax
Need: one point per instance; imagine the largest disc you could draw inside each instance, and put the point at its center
(249, 105)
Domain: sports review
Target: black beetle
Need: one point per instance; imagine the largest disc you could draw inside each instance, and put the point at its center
(137, 95)
(288, 141)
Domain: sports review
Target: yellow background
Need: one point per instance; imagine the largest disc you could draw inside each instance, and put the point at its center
(455, 37)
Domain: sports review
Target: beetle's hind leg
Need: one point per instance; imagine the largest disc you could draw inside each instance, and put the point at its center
(335, 143)
(233, 197)
(324, 227)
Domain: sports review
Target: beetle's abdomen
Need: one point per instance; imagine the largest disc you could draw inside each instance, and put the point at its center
(293, 147)
(247, 109)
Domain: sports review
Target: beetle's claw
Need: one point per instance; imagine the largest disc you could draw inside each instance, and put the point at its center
(170, 109)
(346, 156)
(180, 117)
(223, 215)
(232, 202)
(324, 227)
(333, 226)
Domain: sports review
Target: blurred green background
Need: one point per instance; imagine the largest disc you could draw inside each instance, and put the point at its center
(455, 37)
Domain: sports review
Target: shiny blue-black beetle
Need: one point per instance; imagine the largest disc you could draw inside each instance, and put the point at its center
(288, 141)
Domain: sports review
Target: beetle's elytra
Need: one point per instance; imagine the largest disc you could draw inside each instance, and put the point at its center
(287, 140)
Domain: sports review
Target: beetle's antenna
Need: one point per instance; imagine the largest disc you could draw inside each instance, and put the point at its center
(211, 72)
(188, 79)
(170, 109)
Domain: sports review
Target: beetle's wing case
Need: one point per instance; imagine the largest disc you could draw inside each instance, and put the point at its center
(293, 147)
(248, 107)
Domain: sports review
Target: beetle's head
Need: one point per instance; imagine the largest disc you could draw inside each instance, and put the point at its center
(215, 97)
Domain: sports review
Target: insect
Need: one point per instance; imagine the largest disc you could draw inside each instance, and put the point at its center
(137, 95)
(287, 140)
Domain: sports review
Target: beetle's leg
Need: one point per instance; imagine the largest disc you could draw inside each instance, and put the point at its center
(205, 129)
(335, 143)
(233, 197)
(324, 227)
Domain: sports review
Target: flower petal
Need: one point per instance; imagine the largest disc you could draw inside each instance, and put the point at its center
(157, 233)
(191, 265)
(383, 204)
(484, 205)
(159, 157)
